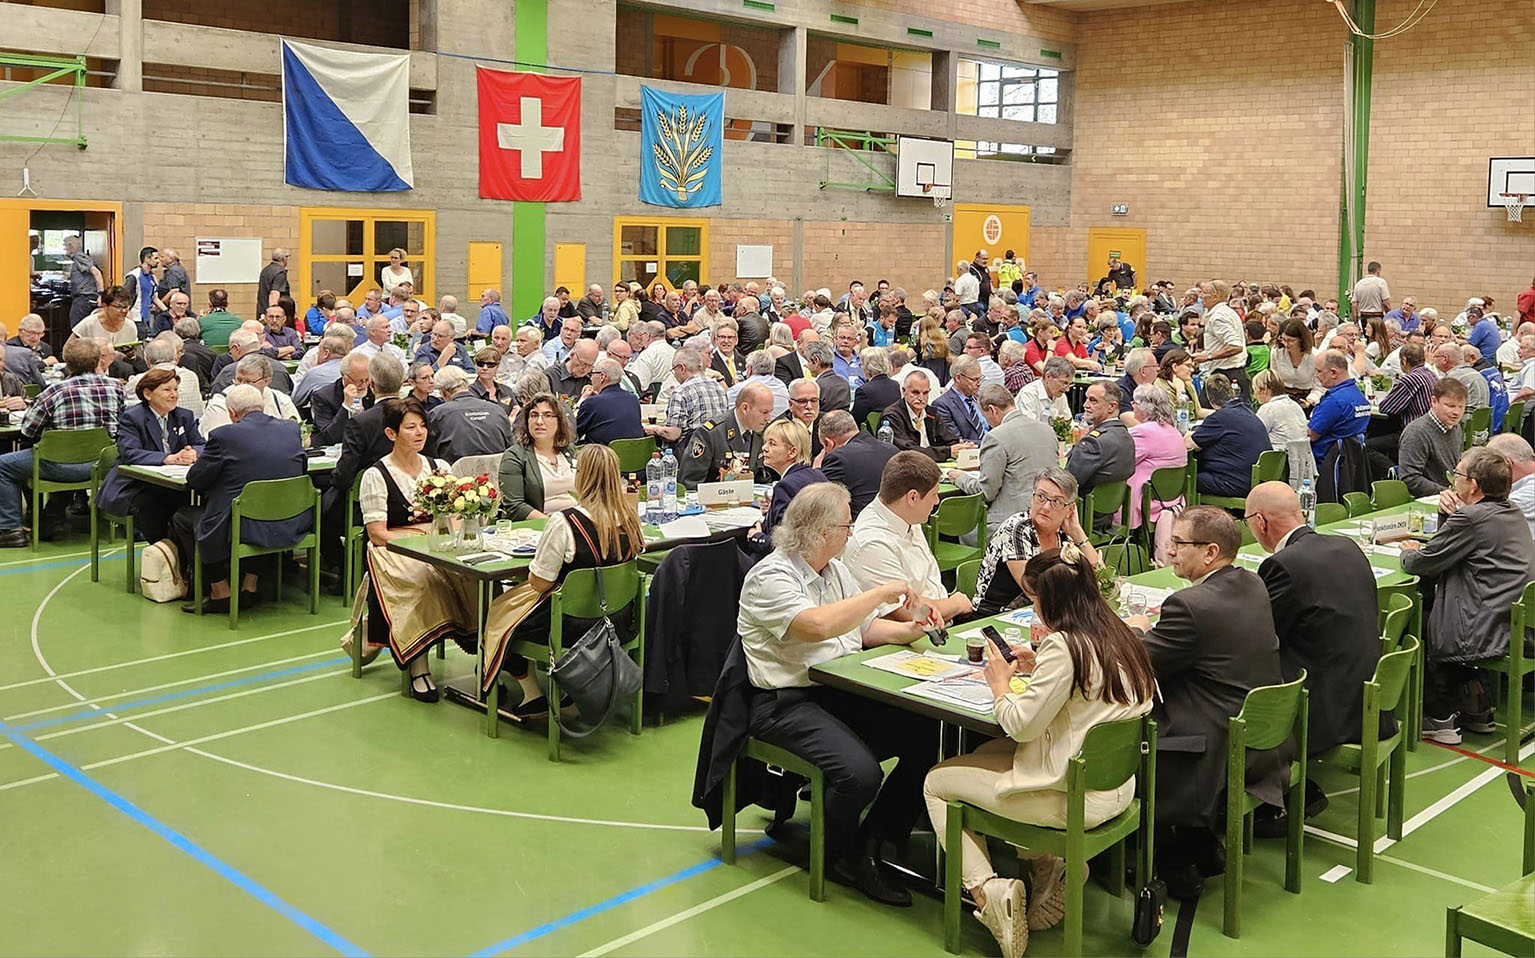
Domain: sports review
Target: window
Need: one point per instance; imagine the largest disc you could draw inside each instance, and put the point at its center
(1008, 91)
(344, 251)
(671, 250)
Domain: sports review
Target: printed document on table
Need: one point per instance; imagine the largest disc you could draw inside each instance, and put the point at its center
(170, 472)
(914, 665)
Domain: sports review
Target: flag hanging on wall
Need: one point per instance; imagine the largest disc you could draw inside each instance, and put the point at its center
(346, 119)
(681, 155)
(530, 136)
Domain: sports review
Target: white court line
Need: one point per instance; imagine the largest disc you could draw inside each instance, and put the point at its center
(1411, 866)
(682, 916)
(43, 559)
(1431, 769)
(168, 655)
(1448, 801)
(167, 685)
(198, 703)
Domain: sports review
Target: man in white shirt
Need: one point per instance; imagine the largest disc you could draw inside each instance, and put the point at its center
(1044, 399)
(978, 345)
(1371, 296)
(967, 286)
(447, 308)
(1517, 451)
(1224, 349)
(380, 336)
(888, 543)
(253, 370)
(558, 349)
(652, 354)
(1508, 352)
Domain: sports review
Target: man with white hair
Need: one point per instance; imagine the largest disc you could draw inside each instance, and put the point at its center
(174, 276)
(573, 375)
(252, 370)
(164, 352)
(695, 400)
(557, 349)
(759, 369)
(712, 310)
(441, 351)
(491, 314)
(380, 339)
(465, 424)
(652, 359)
(30, 332)
(1508, 352)
(1521, 457)
(619, 352)
(333, 405)
(447, 308)
(524, 355)
(592, 308)
(607, 411)
(547, 320)
(1140, 369)
(245, 342)
(1449, 360)
(1044, 399)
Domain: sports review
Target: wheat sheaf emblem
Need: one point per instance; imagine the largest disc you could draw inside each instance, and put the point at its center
(681, 159)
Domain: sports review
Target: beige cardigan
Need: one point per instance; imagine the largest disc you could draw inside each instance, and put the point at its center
(1049, 721)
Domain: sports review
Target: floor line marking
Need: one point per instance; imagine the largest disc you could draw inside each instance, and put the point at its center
(1425, 771)
(1382, 842)
(183, 844)
(1484, 759)
(1333, 874)
(1412, 866)
(1447, 802)
(42, 680)
(94, 710)
(696, 910)
(66, 555)
(189, 705)
(44, 567)
(565, 921)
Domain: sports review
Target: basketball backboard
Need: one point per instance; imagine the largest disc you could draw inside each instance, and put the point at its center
(924, 167)
(1509, 174)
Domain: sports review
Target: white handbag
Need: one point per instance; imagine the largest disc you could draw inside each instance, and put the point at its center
(160, 572)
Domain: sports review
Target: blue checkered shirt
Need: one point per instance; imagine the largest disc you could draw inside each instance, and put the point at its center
(80, 402)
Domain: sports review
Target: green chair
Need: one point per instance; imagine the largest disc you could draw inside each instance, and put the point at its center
(1329, 512)
(957, 516)
(1126, 558)
(775, 757)
(1514, 418)
(1357, 504)
(624, 585)
(1514, 665)
(1504, 919)
(1271, 466)
(1395, 614)
(966, 575)
(871, 422)
(1108, 499)
(1374, 755)
(1270, 715)
(1111, 753)
(1247, 533)
(354, 544)
(222, 350)
(1476, 421)
(1394, 627)
(633, 454)
(270, 500)
(69, 447)
(104, 464)
(1163, 487)
(33, 390)
(1386, 493)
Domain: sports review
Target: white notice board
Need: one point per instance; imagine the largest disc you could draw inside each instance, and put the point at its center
(225, 260)
(754, 262)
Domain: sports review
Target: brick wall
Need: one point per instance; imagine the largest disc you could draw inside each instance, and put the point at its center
(178, 225)
(912, 256)
(726, 234)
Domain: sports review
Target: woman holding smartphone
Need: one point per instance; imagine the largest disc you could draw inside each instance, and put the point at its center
(1089, 668)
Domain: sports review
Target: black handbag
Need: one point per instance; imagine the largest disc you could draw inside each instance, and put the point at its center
(1150, 905)
(596, 672)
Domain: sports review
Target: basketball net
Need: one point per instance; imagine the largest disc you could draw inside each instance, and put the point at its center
(939, 201)
(1514, 203)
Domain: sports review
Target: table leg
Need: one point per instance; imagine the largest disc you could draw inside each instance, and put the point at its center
(481, 605)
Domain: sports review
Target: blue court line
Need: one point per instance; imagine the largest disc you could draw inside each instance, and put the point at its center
(101, 710)
(590, 911)
(65, 564)
(182, 843)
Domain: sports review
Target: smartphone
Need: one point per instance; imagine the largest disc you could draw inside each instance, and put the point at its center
(480, 558)
(1003, 649)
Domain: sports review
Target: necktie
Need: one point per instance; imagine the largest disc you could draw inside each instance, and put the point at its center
(975, 416)
(165, 434)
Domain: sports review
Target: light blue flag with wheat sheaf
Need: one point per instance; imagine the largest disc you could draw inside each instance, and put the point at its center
(681, 155)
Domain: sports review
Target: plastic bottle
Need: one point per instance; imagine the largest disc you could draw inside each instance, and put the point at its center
(886, 434)
(1184, 413)
(653, 487)
(669, 486)
(1308, 501)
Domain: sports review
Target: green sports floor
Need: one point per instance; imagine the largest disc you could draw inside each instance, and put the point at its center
(169, 786)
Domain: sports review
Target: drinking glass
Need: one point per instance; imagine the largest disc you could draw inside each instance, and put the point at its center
(1135, 602)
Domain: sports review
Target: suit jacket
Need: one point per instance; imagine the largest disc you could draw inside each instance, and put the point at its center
(522, 482)
(1213, 644)
(611, 414)
(789, 368)
(753, 331)
(874, 396)
(257, 447)
(693, 601)
(858, 464)
(734, 371)
(835, 392)
(362, 444)
(1322, 592)
(138, 444)
(815, 431)
(325, 412)
(23, 362)
(225, 377)
(939, 439)
(953, 412)
(1015, 450)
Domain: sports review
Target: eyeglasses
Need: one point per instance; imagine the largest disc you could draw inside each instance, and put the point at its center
(543, 415)
(812, 401)
(1057, 501)
(1180, 543)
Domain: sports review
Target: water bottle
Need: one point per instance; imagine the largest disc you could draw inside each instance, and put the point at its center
(886, 434)
(653, 487)
(669, 486)
(1308, 501)
(1184, 413)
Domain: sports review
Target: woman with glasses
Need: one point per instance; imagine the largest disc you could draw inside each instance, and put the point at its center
(538, 472)
(1050, 521)
(487, 362)
(395, 273)
(1158, 445)
(422, 382)
(1089, 668)
(1175, 377)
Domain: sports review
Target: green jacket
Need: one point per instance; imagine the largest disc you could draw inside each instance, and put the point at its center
(522, 482)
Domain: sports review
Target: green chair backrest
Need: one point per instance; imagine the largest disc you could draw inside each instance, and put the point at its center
(1126, 558)
(871, 422)
(72, 445)
(105, 461)
(271, 500)
(958, 515)
(1514, 417)
(1164, 486)
(1391, 674)
(1109, 498)
(967, 573)
(1522, 615)
(1330, 512)
(1272, 466)
(1385, 493)
(1271, 713)
(33, 390)
(633, 454)
(578, 591)
(1477, 420)
(1357, 503)
(1247, 533)
(1395, 613)
(219, 349)
(1111, 753)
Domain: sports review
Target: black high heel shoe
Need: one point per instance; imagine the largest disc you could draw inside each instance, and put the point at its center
(428, 694)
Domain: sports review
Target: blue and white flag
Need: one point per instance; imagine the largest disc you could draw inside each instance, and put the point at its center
(346, 119)
(681, 149)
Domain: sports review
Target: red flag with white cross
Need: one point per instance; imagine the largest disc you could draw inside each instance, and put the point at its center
(530, 136)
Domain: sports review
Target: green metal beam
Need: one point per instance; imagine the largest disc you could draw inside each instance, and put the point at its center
(59, 67)
(856, 143)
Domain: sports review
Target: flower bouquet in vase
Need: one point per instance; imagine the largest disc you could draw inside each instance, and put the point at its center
(475, 501)
(1062, 427)
(435, 494)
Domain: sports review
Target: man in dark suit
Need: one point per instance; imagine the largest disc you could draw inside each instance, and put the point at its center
(362, 444)
(1213, 643)
(805, 409)
(23, 363)
(242, 343)
(793, 365)
(853, 458)
(836, 392)
(1322, 591)
(957, 408)
(610, 412)
(878, 390)
(252, 448)
(195, 354)
(330, 407)
(934, 438)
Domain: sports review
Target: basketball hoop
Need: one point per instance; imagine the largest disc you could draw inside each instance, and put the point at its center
(940, 199)
(1514, 203)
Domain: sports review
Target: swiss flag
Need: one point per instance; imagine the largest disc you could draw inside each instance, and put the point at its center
(530, 136)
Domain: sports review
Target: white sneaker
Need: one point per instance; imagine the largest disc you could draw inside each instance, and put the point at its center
(1047, 906)
(1005, 915)
(1443, 731)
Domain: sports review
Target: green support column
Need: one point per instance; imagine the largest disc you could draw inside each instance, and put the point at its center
(1351, 229)
(530, 22)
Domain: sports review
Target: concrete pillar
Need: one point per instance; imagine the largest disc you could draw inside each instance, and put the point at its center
(945, 81)
(130, 52)
(791, 76)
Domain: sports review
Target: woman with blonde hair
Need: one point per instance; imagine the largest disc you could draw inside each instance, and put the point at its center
(933, 349)
(780, 341)
(395, 273)
(601, 529)
(786, 451)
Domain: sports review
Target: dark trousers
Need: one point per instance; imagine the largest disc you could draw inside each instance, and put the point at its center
(1448, 688)
(152, 511)
(846, 737)
(183, 532)
(81, 307)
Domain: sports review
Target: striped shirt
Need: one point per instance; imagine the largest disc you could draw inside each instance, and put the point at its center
(1411, 396)
(80, 402)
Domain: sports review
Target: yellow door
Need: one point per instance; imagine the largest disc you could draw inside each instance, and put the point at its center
(15, 262)
(570, 268)
(993, 228)
(484, 269)
(344, 249)
(1126, 243)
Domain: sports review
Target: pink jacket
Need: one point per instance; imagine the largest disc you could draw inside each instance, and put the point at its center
(1157, 446)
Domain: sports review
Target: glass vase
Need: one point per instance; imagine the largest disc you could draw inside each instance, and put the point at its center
(440, 539)
(468, 539)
